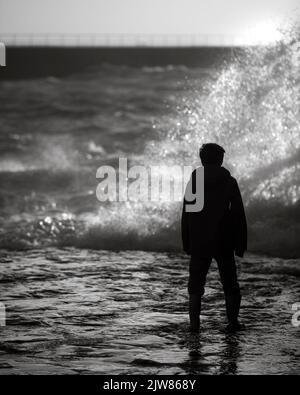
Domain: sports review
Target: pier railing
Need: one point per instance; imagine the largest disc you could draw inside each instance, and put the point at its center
(120, 40)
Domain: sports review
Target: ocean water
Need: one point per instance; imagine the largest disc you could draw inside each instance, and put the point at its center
(72, 311)
(94, 287)
(56, 132)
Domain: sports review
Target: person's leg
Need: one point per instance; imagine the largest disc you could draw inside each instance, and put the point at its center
(227, 269)
(198, 272)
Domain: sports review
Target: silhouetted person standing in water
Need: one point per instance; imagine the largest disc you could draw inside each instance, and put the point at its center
(218, 231)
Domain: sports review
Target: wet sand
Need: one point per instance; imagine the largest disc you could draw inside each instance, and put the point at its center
(73, 311)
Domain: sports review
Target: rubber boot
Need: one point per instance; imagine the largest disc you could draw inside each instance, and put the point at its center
(194, 312)
(233, 303)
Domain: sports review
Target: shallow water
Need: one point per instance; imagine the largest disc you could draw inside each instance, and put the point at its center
(82, 311)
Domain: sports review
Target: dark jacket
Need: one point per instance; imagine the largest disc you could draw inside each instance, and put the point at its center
(221, 227)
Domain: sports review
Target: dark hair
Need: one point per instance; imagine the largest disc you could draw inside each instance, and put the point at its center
(211, 154)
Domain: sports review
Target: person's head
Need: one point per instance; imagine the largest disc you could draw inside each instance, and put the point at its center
(211, 154)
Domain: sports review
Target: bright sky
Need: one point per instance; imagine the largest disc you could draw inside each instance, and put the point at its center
(208, 17)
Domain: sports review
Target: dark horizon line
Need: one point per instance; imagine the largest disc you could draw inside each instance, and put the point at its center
(33, 62)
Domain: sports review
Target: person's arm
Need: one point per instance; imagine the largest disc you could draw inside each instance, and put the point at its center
(185, 230)
(240, 222)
